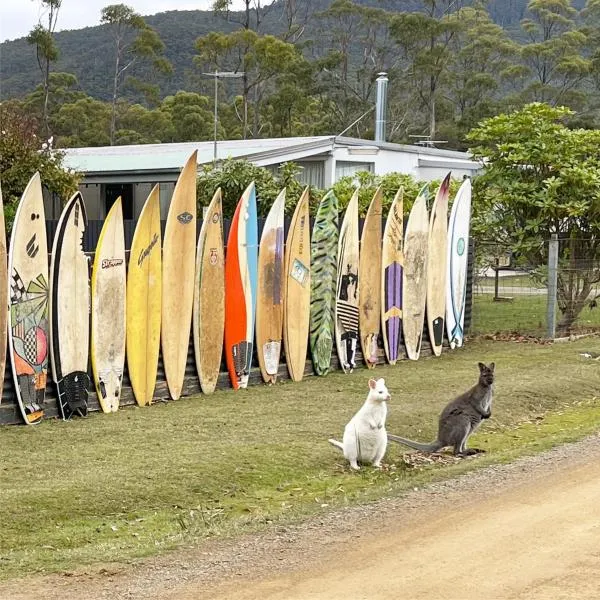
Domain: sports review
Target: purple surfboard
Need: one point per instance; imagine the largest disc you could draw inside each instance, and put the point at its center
(393, 303)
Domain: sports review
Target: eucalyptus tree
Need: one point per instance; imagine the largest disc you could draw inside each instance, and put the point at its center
(42, 37)
(135, 42)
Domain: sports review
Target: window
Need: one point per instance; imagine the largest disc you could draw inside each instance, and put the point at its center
(343, 168)
(313, 172)
(112, 191)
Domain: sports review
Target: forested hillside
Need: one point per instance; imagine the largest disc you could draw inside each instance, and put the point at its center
(309, 68)
(87, 52)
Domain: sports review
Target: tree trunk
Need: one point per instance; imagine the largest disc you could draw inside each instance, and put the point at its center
(572, 300)
(113, 116)
(46, 116)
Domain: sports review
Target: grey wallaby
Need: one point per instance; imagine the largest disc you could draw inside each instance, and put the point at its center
(461, 417)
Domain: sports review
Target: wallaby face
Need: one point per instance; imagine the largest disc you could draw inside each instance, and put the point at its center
(378, 390)
(365, 437)
(486, 374)
(461, 417)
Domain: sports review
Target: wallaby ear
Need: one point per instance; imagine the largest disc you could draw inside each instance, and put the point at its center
(481, 366)
(372, 384)
(381, 380)
(492, 367)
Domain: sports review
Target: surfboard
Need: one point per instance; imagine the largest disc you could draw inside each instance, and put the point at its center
(28, 302)
(3, 293)
(269, 308)
(370, 281)
(69, 310)
(414, 274)
(144, 299)
(437, 266)
(323, 280)
(241, 275)
(108, 310)
(209, 296)
(347, 291)
(391, 279)
(296, 312)
(458, 256)
(179, 258)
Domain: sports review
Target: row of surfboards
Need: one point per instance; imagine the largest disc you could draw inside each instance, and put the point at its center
(276, 293)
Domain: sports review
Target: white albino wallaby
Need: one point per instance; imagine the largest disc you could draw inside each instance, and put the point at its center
(365, 437)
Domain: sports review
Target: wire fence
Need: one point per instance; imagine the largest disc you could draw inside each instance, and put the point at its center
(514, 294)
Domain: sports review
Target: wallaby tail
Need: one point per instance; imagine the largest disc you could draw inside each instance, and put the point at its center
(336, 444)
(433, 447)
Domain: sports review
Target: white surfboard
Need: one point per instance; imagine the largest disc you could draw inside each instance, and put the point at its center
(108, 310)
(70, 310)
(458, 255)
(28, 302)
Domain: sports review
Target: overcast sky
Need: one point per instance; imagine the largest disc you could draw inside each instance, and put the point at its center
(19, 17)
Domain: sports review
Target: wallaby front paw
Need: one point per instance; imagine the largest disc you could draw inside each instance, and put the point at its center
(377, 465)
(355, 467)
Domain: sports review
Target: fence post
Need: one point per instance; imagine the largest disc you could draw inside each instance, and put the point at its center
(552, 285)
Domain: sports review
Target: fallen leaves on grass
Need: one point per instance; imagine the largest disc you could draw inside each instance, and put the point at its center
(417, 460)
(513, 336)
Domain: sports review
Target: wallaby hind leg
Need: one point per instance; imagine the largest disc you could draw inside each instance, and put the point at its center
(379, 456)
(351, 455)
(461, 448)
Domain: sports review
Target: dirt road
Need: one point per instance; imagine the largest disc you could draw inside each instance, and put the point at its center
(537, 542)
(529, 530)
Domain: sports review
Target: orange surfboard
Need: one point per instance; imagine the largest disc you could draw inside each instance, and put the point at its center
(241, 277)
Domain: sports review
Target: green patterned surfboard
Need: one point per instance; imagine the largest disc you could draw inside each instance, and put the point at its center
(323, 261)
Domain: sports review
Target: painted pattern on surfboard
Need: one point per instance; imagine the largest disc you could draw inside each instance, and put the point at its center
(209, 296)
(241, 270)
(458, 245)
(179, 266)
(69, 310)
(296, 312)
(144, 299)
(108, 310)
(323, 265)
(347, 295)
(3, 292)
(28, 326)
(414, 275)
(436, 266)
(269, 309)
(391, 279)
(370, 281)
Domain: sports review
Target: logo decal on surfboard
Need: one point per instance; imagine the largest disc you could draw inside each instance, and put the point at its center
(107, 263)
(299, 272)
(184, 218)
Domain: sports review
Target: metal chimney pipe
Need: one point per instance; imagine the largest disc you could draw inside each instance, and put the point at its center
(381, 107)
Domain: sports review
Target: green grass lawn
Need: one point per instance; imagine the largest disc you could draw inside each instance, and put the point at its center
(524, 281)
(525, 314)
(112, 488)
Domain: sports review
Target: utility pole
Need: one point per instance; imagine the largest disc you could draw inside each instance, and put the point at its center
(216, 75)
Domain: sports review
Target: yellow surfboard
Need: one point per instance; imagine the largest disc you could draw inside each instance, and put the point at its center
(296, 294)
(179, 265)
(209, 296)
(369, 284)
(144, 299)
(107, 342)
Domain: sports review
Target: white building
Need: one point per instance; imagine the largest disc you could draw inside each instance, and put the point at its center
(131, 171)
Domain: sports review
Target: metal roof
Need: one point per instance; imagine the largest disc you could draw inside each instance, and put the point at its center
(170, 157)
